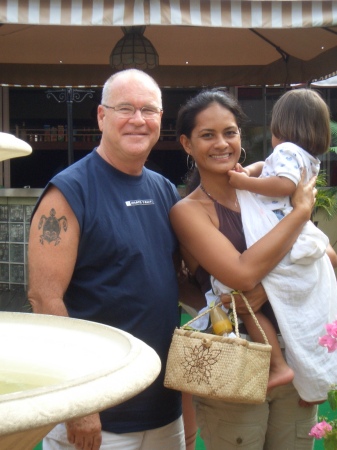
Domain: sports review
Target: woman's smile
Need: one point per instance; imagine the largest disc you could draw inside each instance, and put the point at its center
(221, 156)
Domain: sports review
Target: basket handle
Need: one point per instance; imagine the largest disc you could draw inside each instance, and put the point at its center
(251, 313)
(236, 326)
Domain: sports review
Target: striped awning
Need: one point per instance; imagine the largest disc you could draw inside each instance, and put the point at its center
(199, 42)
(205, 13)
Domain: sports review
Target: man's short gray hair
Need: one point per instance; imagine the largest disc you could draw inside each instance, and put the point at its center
(106, 92)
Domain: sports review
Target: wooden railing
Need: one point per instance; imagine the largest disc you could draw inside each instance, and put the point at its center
(59, 134)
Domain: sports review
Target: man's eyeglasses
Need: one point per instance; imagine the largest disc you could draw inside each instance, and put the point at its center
(128, 111)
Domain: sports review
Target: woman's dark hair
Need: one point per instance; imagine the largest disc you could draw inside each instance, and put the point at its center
(301, 116)
(187, 114)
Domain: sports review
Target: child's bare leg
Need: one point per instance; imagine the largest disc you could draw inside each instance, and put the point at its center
(280, 372)
(306, 404)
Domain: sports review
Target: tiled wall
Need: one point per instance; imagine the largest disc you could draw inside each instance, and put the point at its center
(15, 216)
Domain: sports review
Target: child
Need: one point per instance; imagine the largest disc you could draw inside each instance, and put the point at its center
(300, 129)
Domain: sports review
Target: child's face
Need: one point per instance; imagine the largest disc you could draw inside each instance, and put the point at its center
(275, 141)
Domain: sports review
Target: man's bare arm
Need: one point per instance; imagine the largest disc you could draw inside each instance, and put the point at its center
(52, 249)
(52, 252)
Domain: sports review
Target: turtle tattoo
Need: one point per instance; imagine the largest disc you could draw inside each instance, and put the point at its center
(51, 227)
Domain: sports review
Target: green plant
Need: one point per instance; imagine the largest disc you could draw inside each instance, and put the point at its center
(327, 429)
(333, 128)
(326, 198)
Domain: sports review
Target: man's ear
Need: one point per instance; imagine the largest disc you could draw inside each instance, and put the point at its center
(100, 116)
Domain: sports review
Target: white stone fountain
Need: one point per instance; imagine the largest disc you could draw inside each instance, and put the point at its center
(61, 368)
(13, 147)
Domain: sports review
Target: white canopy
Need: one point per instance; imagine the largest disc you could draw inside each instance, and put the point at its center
(329, 82)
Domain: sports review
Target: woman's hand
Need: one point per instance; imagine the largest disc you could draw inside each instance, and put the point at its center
(256, 297)
(304, 196)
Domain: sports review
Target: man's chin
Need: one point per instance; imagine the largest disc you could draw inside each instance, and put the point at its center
(143, 144)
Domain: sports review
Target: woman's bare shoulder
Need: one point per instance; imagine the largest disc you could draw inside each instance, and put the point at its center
(187, 205)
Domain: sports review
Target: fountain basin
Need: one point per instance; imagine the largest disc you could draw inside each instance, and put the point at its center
(64, 368)
(13, 147)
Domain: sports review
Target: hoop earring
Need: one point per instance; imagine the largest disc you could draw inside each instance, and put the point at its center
(190, 162)
(244, 156)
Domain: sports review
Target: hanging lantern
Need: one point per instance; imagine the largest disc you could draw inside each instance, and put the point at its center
(134, 50)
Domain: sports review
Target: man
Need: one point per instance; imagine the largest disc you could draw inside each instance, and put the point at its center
(106, 255)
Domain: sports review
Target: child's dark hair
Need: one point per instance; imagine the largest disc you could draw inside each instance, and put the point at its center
(302, 117)
(187, 114)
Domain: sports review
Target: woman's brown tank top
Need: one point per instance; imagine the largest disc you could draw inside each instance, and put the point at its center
(230, 225)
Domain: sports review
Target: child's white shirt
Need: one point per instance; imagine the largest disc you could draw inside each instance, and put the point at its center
(303, 297)
(287, 160)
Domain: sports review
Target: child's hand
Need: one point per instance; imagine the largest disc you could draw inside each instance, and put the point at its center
(238, 179)
(239, 168)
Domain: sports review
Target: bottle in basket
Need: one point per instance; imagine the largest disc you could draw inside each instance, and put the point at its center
(221, 324)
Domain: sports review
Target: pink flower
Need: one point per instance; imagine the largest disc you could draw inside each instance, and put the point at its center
(319, 430)
(331, 328)
(329, 342)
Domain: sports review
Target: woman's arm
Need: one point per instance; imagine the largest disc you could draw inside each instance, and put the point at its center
(215, 253)
(332, 255)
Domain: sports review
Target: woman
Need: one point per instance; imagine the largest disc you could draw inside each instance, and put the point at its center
(208, 225)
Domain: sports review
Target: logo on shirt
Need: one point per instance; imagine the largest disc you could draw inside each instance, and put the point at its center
(139, 202)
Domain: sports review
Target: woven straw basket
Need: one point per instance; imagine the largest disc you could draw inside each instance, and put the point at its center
(218, 367)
